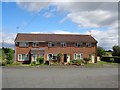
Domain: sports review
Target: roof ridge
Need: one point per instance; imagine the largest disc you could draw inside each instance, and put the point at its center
(53, 34)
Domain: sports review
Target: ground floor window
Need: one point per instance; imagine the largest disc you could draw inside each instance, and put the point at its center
(51, 56)
(78, 56)
(23, 57)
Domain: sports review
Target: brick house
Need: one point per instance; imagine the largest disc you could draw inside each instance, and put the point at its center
(29, 46)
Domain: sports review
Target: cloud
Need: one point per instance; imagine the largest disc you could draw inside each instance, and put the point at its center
(87, 6)
(55, 32)
(47, 14)
(90, 14)
(84, 14)
(32, 6)
(106, 39)
(64, 32)
(98, 18)
(7, 39)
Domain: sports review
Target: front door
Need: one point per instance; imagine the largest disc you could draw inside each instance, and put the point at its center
(65, 57)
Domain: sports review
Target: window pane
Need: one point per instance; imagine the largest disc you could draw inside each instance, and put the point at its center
(24, 44)
(35, 44)
(50, 56)
(63, 44)
(51, 44)
(88, 44)
(75, 56)
(19, 56)
(78, 56)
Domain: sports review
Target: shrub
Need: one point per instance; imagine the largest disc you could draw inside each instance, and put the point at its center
(111, 59)
(40, 60)
(114, 59)
(33, 63)
(75, 62)
(9, 61)
(4, 63)
(47, 63)
(86, 60)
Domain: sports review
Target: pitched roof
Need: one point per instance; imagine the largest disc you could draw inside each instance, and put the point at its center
(25, 37)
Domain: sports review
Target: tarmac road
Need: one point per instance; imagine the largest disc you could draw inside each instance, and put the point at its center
(59, 77)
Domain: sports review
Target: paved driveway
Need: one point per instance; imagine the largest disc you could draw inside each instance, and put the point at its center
(59, 77)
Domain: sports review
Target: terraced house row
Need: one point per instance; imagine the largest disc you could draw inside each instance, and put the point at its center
(29, 46)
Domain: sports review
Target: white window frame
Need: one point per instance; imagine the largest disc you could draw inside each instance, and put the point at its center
(75, 56)
(52, 56)
(20, 57)
(63, 44)
(78, 44)
(89, 44)
(35, 44)
(48, 56)
(24, 44)
(50, 44)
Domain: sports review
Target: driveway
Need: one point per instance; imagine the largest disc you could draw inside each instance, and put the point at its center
(59, 77)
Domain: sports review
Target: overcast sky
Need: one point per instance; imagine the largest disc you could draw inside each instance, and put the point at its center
(98, 18)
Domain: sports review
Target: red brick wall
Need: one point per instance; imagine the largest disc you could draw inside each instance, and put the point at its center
(70, 49)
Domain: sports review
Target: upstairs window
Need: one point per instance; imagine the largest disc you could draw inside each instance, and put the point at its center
(63, 44)
(51, 44)
(89, 44)
(35, 44)
(23, 44)
(78, 44)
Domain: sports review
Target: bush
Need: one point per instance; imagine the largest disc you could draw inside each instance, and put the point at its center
(9, 61)
(33, 63)
(86, 60)
(111, 59)
(40, 60)
(75, 62)
(114, 59)
(4, 63)
(47, 62)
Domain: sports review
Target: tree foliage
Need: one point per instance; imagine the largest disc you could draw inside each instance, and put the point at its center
(2, 54)
(100, 51)
(116, 50)
(7, 55)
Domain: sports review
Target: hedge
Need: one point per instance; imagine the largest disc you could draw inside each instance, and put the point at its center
(114, 59)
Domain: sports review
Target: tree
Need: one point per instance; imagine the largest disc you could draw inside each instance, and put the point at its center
(9, 55)
(2, 54)
(116, 50)
(100, 51)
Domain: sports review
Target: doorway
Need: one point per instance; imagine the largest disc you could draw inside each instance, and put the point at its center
(35, 57)
(65, 57)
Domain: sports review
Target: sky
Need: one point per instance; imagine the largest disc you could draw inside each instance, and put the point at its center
(99, 19)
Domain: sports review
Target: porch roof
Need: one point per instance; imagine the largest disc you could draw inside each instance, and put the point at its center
(37, 50)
